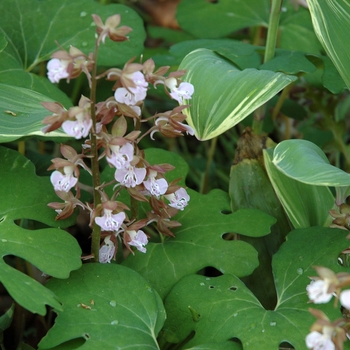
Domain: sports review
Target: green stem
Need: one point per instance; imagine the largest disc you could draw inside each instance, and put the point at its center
(211, 153)
(272, 32)
(271, 41)
(96, 230)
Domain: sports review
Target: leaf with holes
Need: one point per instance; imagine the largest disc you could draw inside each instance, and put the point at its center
(65, 22)
(24, 196)
(221, 308)
(223, 94)
(199, 242)
(106, 306)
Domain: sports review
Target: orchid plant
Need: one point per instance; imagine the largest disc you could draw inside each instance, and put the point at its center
(179, 198)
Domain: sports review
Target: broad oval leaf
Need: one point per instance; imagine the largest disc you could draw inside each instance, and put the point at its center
(299, 199)
(331, 24)
(221, 17)
(66, 22)
(225, 95)
(107, 306)
(21, 114)
(305, 162)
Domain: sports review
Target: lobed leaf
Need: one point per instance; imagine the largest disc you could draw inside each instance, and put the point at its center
(222, 308)
(199, 242)
(24, 196)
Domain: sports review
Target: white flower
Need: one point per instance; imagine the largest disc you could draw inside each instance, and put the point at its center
(184, 91)
(156, 187)
(130, 177)
(345, 298)
(109, 221)
(62, 182)
(318, 292)
(179, 199)
(319, 341)
(106, 251)
(121, 156)
(138, 240)
(57, 70)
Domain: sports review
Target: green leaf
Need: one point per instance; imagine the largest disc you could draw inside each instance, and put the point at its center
(305, 162)
(296, 31)
(5, 320)
(108, 306)
(306, 205)
(24, 196)
(222, 17)
(243, 55)
(331, 24)
(199, 242)
(67, 22)
(224, 95)
(21, 113)
(225, 308)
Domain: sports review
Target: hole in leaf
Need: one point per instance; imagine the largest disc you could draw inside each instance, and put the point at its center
(233, 288)
(213, 1)
(2, 219)
(209, 271)
(230, 236)
(211, 287)
(87, 336)
(235, 340)
(226, 212)
(30, 224)
(285, 346)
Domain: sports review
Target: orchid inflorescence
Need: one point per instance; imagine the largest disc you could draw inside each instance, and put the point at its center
(105, 126)
(325, 334)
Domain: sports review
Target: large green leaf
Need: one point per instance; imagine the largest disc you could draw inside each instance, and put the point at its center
(221, 18)
(221, 308)
(306, 205)
(199, 242)
(331, 24)
(106, 307)
(225, 95)
(305, 162)
(25, 196)
(65, 22)
(21, 114)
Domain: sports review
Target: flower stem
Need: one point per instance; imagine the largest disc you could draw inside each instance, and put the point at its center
(273, 29)
(96, 230)
(271, 41)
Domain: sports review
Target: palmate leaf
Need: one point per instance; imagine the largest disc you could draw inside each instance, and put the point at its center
(306, 205)
(221, 308)
(106, 307)
(331, 24)
(68, 23)
(225, 95)
(305, 162)
(199, 242)
(24, 196)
